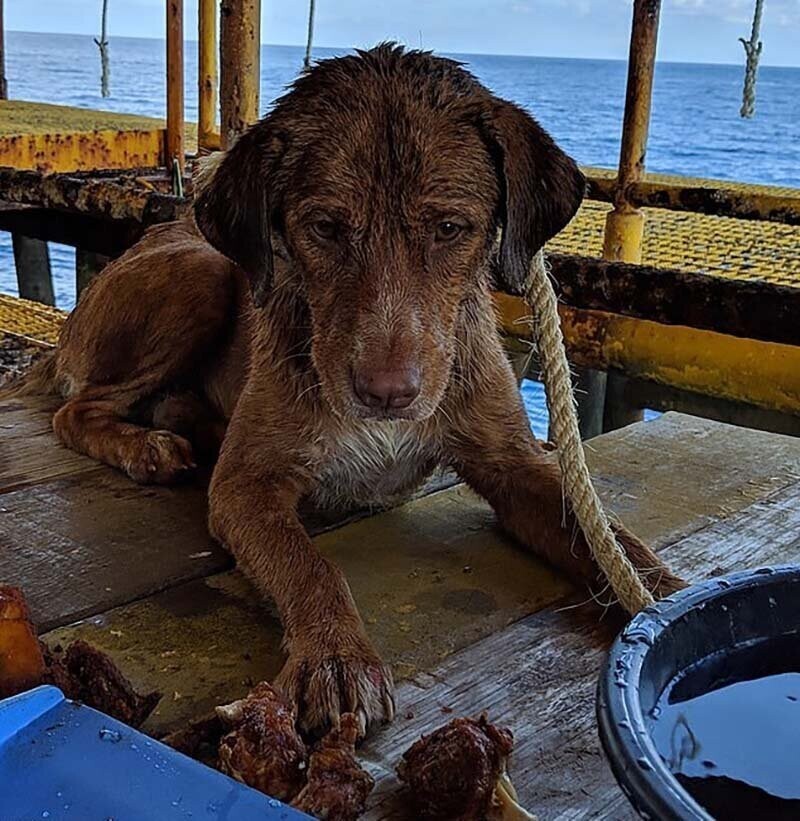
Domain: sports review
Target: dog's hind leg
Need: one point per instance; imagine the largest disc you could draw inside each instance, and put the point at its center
(98, 428)
(192, 417)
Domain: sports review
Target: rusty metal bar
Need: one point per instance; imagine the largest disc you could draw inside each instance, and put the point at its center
(636, 123)
(240, 66)
(175, 148)
(715, 200)
(32, 261)
(745, 308)
(736, 368)
(207, 75)
(625, 224)
(118, 197)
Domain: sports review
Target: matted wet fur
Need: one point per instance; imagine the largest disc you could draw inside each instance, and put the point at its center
(365, 211)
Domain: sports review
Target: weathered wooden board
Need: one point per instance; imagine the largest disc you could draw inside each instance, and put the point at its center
(679, 473)
(114, 542)
(407, 567)
(29, 453)
(86, 542)
(89, 542)
(429, 578)
(81, 538)
(539, 677)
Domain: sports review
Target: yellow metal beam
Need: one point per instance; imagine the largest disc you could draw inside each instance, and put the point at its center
(758, 373)
(207, 138)
(240, 66)
(176, 128)
(84, 151)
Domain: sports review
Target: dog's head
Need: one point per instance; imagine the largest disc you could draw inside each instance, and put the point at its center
(375, 188)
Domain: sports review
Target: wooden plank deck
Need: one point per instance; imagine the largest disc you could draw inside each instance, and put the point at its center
(468, 621)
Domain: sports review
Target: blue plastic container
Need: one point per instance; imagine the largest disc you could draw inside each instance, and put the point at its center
(63, 761)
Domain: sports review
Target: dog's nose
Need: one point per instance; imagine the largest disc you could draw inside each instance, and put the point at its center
(387, 389)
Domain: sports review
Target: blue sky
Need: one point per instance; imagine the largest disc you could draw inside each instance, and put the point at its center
(692, 30)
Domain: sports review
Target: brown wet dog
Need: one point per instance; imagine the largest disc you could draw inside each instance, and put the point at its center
(365, 211)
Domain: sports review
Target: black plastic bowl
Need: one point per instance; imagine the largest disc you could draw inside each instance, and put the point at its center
(719, 615)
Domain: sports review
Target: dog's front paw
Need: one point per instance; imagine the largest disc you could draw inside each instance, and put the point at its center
(326, 681)
(159, 457)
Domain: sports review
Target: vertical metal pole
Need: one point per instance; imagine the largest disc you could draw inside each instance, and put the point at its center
(625, 224)
(31, 256)
(3, 82)
(32, 261)
(240, 66)
(176, 152)
(310, 38)
(207, 75)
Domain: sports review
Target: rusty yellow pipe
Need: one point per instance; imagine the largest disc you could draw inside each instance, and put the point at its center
(176, 127)
(84, 150)
(622, 239)
(763, 374)
(625, 225)
(207, 76)
(240, 67)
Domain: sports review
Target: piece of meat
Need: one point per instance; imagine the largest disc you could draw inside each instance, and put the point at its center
(263, 750)
(337, 787)
(83, 673)
(56, 673)
(94, 679)
(21, 661)
(458, 773)
(199, 739)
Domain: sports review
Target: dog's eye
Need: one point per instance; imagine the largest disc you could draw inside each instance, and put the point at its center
(324, 228)
(447, 231)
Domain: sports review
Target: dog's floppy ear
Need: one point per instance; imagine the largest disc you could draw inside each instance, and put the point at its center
(541, 188)
(232, 204)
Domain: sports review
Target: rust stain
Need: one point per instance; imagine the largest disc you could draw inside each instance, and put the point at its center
(82, 151)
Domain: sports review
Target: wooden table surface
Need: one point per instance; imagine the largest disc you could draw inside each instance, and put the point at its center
(469, 621)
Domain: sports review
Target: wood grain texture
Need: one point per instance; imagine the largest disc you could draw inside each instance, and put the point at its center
(95, 540)
(29, 453)
(436, 583)
(87, 542)
(539, 677)
(408, 568)
(81, 538)
(429, 579)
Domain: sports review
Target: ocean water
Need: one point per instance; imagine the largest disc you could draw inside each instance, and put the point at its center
(696, 129)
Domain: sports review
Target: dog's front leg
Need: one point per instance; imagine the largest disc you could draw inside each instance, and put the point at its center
(332, 667)
(492, 447)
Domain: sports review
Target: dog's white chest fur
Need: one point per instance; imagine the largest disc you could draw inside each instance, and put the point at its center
(375, 464)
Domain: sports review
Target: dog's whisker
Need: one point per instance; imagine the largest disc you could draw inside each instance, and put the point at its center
(309, 388)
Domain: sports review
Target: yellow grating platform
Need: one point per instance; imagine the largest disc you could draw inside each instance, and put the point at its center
(723, 246)
(31, 319)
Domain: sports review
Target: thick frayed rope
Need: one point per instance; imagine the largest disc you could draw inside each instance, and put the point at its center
(586, 504)
(752, 50)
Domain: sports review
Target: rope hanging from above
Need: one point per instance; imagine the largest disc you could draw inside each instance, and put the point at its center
(102, 44)
(752, 50)
(586, 504)
(310, 38)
